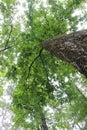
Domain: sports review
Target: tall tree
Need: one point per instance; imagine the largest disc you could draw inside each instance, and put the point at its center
(71, 48)
(39, 80)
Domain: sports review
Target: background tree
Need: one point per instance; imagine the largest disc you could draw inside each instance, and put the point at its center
(41, 81)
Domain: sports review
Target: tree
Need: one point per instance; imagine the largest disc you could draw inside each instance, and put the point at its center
(71, 48)
(42, 81)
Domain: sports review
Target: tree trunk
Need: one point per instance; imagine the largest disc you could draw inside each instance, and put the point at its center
(44, 125)
(71, 48)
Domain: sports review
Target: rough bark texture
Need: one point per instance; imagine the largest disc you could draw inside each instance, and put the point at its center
(71, 48)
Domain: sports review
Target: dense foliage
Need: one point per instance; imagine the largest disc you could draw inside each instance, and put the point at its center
(41, 83)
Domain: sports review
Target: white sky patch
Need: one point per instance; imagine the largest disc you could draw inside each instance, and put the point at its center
(21, 7)
(19, 15)
(1, 21)
(5, 119)
(83, 24)
(82, 88)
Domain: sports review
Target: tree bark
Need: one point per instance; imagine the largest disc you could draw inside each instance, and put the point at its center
(44, 125)
(71, 48)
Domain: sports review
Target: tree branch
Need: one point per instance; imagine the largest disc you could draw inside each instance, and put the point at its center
(44, 67)
(34, 61)
(44, 124)
(6, 48)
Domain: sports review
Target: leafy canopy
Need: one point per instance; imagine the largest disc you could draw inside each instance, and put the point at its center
(40, 80)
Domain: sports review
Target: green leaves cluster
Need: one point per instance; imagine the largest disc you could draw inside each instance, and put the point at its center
(41, 79)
